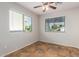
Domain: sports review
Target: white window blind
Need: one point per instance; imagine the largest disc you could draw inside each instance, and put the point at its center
(15, 21)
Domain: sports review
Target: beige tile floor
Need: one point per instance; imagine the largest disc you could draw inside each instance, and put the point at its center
(43, 49)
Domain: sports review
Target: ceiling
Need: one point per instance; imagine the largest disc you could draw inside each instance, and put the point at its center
(38, 11)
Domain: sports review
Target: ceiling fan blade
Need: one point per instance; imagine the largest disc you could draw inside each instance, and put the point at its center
(51, 2)
(46, 3)
(52, 7)
(58, 3)
(37, 6)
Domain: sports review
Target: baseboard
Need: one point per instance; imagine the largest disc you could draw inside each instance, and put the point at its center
(17, 49)
(59, 44)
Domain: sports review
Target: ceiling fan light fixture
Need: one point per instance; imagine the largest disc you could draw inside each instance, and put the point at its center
(47, 7)
(43, 7)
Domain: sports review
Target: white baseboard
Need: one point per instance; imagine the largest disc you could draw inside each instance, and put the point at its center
(60, 44)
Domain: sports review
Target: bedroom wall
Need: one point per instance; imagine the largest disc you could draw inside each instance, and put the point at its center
(11, 41)
(71, 35)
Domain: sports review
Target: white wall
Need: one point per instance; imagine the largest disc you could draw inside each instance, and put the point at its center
(71, 35)
(10, 41)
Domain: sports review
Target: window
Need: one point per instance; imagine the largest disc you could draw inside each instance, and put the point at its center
(19, 22)
(15, 21)
(27, 24)
(55, 24)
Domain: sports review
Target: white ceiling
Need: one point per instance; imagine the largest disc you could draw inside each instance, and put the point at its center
(38, 11)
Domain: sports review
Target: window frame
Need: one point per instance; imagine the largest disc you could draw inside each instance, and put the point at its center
(22, 21)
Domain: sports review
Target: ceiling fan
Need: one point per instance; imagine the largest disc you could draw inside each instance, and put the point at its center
(46, 5)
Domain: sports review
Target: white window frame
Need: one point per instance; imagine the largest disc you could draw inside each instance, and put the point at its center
(22, 22)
